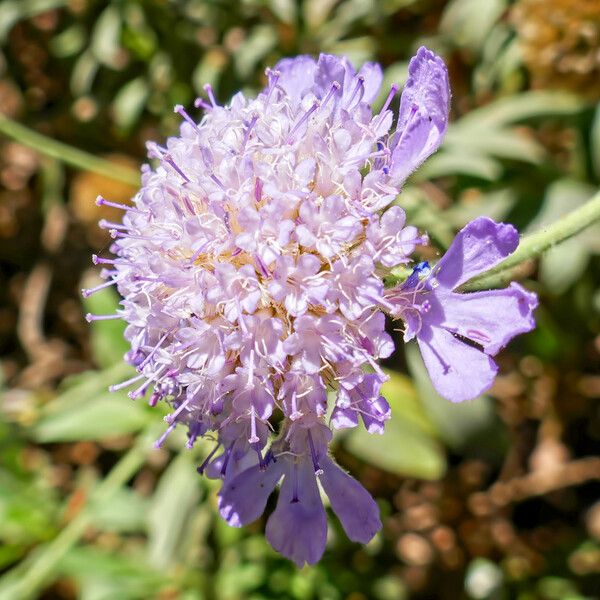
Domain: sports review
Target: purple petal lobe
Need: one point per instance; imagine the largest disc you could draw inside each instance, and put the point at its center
(297, 76)
(478, 246)
(489, 318)
(243, 498)
(354, 506)
(298, 526)
(458, 372)
(423, 116)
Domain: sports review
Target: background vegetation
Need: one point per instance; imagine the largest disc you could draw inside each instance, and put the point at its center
(494, 499)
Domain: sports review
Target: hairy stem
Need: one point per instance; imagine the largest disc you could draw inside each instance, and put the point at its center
(531, 246)
(67, 154)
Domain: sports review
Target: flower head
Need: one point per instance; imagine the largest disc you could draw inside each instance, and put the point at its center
(251, 268)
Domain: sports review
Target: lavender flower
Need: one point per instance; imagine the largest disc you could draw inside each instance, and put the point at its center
(251, 268)
(440, 318)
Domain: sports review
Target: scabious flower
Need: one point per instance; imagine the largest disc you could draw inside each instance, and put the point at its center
(251, 268)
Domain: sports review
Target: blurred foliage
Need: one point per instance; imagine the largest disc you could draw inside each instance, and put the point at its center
(493, 499)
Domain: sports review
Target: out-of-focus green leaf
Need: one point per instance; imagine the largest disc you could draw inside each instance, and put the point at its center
(316, 12)
(126, 512)
(526, 105)
(23, 518)
(461, 426)
(84, 73)
(493, 142)
(562, 265)
(129, 102)
(103, 416)
(12, 11)
(495, 205)
(69, 42)
(105, 42)
(107, 341)
(408, 446)
(468, 22)
(404, 401)
(104, 575)
(261, 39)
(284, 10)
(422, 213)
(444, 164)
(177, 494)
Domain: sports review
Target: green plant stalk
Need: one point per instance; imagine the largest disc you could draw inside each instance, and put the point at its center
(25, 581)
(530, 246)
(535, 244)
(67, 154)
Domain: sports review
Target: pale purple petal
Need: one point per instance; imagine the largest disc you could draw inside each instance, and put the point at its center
(354, 506)
(298, 526)
(489, 318)
(478, 246)
(296, 76)
(243, 498)
(458, 371)
(423, 116)
(344, 418)
(373, 77)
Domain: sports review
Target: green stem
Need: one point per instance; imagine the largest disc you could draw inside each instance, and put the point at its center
(531, 246)
(25, 581)
(68, 154)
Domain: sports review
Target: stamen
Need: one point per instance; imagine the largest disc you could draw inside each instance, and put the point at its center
(253, 439)
(273, 79)
(294, 484)
(261, 463)
(153, 351)
(314, 455)
(390, 97)
(226, 459)
(303, 120)
(104, 224)
(209, 92)
(173, 416)
(86, 293)
(100, 201)
(204, 464)
(141, 391)
(161, 440)
(335, 86)
(178, 108)
(90, 317)
(98, 260)
(200, 103)
(359, 88)
(124, 384)
(194, 430)
(248, 131)
(169, 160)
